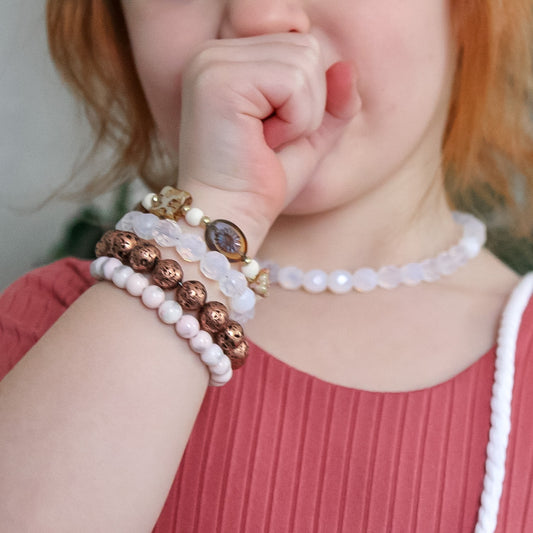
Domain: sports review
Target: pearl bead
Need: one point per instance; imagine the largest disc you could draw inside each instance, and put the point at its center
(166, 233)
(144, 225)
(191, 247)
(170, 312)
(365, 280)
(201, 341)
(214, 265)
(290, 278)
(212, 355)
(251, 269)
(233, 284)
(97, 267)
(136, 284)
(243, 303)
(121, 276)
(187, 327)
(340, 282)
(194, 216)
(153, 296)
(110, 266)
(147, 202)
(389, 277)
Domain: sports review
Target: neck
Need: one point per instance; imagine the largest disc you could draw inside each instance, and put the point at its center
(386, 226)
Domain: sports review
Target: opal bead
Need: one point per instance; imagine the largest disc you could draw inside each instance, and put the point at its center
(315, 281)
(214, 265)
(233, 284)
(127, 222)
(340, 282)
(170, 312)
(166, 233)
(187, 327)
(290, 278)
(121, 276)
(412, 274)
(153, 296)
(430, 270)
(191, 247)
(243, 303)
(136, 284)
(201, 341)
(144, 225)
(389, 277)
(365, 279)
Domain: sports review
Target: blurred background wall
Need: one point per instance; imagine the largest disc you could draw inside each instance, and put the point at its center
(40, 138)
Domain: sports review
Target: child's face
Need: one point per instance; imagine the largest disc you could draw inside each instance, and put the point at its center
(403, 53)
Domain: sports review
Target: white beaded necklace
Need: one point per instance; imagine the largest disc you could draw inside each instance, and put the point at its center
(388, 277)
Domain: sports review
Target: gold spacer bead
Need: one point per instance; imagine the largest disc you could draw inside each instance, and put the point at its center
(247, 260)
(205, 220)
(185, 209)
(156, 200)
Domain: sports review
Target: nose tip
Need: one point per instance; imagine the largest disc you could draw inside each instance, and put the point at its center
(246, 18)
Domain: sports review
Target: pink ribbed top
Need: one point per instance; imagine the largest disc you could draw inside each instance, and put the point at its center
(281, 451)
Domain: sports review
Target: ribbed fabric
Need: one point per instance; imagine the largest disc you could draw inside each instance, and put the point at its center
(278, 450)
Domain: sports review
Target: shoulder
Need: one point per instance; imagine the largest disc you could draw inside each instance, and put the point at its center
(34, 302)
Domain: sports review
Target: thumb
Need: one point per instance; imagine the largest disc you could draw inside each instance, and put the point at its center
(343, 100)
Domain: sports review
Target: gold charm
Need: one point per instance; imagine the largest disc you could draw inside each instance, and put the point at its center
(261, 283)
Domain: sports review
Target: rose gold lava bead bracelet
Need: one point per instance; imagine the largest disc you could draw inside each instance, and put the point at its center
(128, 260)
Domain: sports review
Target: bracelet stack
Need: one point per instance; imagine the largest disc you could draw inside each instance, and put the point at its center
(128, 259)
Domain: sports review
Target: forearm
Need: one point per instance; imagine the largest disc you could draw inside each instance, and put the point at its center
(93, 421)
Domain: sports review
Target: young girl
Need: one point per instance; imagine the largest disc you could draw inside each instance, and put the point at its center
(337, 136)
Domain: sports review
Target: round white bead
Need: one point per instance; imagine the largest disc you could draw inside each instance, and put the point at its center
(201, 341)
(187, 327)
(389, 277)
(212, 355)
(97, 267)
(147, 202)
(412, 274)
(110, 266)
(170, 312)
(221, 367)
(191, 247)
(153, 296)
(136, 284)
(127, 222)
(121, 275)
(290, 278)
(243, 303)
(315, 281)
(194, 216)
(365, 280)
(166, 233)
(214, 265)
(233, 284)
(251, 269)
(219, 381)
(340, 282)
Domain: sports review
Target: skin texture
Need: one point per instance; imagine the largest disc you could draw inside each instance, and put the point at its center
(316, 126)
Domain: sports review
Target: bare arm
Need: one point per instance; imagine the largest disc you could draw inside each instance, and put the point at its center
(94, 420)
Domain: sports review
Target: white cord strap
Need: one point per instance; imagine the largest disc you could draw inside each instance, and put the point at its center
(502, 394)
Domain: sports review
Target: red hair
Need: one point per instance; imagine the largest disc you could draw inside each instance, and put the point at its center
(487, 143)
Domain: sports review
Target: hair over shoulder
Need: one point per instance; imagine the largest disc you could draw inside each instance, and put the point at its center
(487, 147)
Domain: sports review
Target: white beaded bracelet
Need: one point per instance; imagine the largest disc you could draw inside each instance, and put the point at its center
(170, 312)
(192, 248)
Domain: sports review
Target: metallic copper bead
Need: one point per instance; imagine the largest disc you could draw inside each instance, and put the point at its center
(103, 246)
(238, 355)
(230, 337)
(214, 316)
(167, 274)
(144, 257)
(123, 244)
(191, 295)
